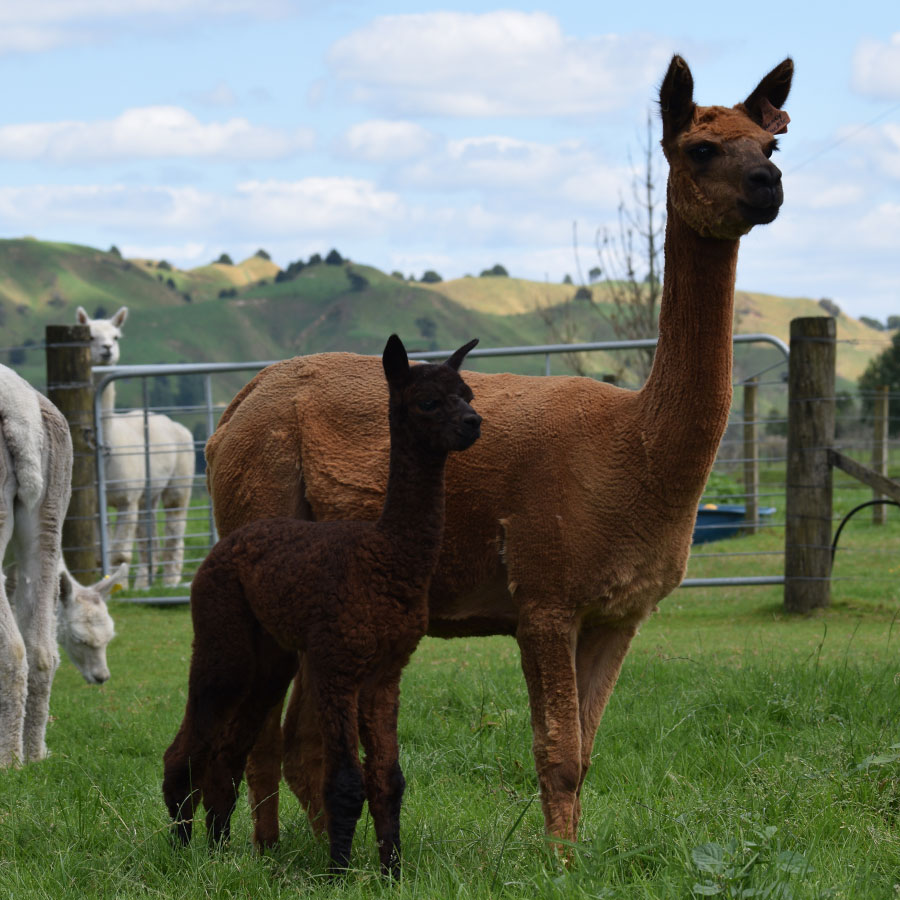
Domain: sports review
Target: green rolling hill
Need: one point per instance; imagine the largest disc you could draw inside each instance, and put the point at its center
(224, 312)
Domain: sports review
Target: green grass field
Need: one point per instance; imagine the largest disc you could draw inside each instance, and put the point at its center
(744, 754)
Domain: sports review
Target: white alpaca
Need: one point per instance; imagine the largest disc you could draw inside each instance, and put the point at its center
(171, 469)
(84, 626)
(35, 487)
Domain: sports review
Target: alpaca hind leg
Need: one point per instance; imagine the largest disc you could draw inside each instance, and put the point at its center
(37, 542)
(182, 770)
(147, 546)
(274, 670)
(598, 660)
(304, 758)
(383, 776)
(13, 684)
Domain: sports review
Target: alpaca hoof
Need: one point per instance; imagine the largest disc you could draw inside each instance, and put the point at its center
(181, 832)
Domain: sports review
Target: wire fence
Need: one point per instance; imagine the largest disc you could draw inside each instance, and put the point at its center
(739, 536)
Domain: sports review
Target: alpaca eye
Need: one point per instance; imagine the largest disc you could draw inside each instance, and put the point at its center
(428, 405)
(702, 153)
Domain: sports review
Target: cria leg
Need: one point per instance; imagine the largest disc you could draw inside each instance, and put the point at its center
(379, 706)
(342, 786)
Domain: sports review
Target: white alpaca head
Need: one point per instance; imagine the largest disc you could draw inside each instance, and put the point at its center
(105, 334)
(84, 625)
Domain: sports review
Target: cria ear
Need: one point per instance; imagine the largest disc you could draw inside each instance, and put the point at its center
(770, 93)
(119, 318)
(676, 99)
(394, 360)
(81, 316)
(455, 361)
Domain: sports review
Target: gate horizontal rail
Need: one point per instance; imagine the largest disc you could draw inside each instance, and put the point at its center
(109, 374)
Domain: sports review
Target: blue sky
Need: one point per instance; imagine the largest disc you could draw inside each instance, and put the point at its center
(448, 137)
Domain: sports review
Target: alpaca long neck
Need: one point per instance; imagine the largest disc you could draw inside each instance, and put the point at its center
(413, 511)
(688, 393)
(108, 400)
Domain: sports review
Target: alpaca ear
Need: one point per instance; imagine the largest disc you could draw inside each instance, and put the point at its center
(119, 318)
(769, 95)
(81, 316)
(394, 360)
(118, 578)
(455, 361)
(676, 99)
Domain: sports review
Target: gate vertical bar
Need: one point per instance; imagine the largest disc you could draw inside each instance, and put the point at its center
(70, 388)
(880, 448)
(751, 457)
(807, 541)
(149, 516)
(210, 428)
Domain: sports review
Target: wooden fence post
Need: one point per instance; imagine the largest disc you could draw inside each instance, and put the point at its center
(751, 458)
(70, 388)
(880, 448)
(807, 542)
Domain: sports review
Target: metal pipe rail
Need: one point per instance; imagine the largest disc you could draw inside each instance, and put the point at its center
(109, 374)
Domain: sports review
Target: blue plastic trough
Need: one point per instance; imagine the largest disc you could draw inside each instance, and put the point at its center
(716, 521)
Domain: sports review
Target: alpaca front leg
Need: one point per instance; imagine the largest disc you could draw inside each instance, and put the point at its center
(175, 504)
(549, 668)
(342, 787)
(384, 779)
(122, 537)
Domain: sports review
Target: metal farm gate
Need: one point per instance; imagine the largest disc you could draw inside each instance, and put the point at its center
(202, 414)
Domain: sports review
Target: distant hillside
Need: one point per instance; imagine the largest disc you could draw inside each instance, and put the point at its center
(221, 312)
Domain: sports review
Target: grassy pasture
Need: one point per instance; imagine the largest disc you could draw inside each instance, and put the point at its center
(743, 754)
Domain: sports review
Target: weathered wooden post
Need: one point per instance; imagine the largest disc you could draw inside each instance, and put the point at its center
(751, 458)
(71, 390)
(807, 542)
(880, 448)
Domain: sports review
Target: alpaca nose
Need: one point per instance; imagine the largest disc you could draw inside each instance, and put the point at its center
(763, 184)
(767, 177)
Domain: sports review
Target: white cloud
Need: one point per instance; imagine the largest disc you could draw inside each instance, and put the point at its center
(504, 63)
(876, 68)
(353, 205)
(151, 132)
(385, 141)
(39, 25)
(254, 209)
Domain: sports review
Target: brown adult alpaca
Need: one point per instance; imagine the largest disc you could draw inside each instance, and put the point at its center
(351, 596)
(572, 518)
